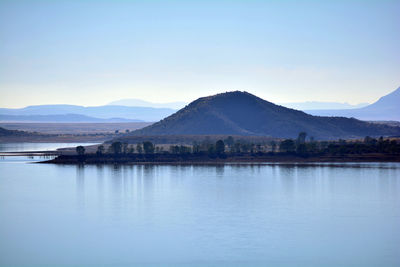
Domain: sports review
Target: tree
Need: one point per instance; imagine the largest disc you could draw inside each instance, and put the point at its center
(229, 141)
(393, 147)
(125, 148)
(312, 147)
(301, 149)
(174, 149)
(100, 150)
(211, 150)
(116, 147)
(80, 150)
(245, 147)
(252, 148)
(148, 147)
(301, 139)
(273, 146)
(184, 149)
(196, 148)
(236, 147)
(220, 147)
(258, 147)
(139, 148)
(370, 141)
(287, 145)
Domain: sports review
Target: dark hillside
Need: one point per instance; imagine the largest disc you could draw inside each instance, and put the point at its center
(241, 113)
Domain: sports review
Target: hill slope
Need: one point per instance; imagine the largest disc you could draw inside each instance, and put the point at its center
(241, 113)
(386, 108)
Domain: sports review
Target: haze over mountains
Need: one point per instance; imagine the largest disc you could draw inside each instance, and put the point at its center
(64, 118)
(133, 102)
(241, 113)
(72, 113)
(311, 105)
(386, 108)
(307, 105)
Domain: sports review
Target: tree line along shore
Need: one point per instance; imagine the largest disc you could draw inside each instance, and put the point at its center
(231, 150)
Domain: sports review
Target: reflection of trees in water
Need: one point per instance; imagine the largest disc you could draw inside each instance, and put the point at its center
(100, 183)
(148, 170)
(116, 180)
(100, 169)
(116, 168)
(129, 182)
(287, 175)
(219, 170)
(80, 185)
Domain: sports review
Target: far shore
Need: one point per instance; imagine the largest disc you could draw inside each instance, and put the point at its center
(30, 153)
(53, 138)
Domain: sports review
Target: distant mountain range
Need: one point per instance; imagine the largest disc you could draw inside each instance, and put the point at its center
(241, 113)
(311, 105)
(386, 108)
(60, 118)
(72, 113)
(308, 105)
(133, 102)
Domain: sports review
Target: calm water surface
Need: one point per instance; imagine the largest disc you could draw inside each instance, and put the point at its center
(18, 147)
(232, 215)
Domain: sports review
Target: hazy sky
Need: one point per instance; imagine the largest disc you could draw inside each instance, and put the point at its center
(94, 52)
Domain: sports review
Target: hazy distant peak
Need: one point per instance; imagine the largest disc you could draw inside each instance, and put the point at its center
(385, 109)
(52, 106)
(393, 97)
(311, 105)
(133, 102)
(102, 112)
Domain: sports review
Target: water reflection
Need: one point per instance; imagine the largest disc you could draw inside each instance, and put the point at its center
(80, 185)
(141, 214)
(144, 180)
(219, 170)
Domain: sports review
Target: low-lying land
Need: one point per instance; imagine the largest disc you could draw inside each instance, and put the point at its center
(63, 138)
(26, 137)
(368, 150)
(74, 128)
(65, 132)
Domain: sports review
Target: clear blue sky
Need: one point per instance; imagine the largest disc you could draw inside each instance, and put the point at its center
(93, 52)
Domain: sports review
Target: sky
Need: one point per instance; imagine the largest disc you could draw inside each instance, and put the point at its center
(94, 52)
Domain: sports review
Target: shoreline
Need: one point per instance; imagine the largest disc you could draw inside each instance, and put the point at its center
(175, 159)
(30, 153)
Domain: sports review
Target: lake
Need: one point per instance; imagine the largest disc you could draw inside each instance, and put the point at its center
(204, 215)
(18, 147)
